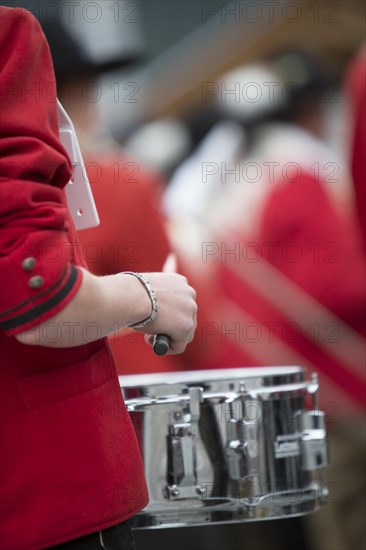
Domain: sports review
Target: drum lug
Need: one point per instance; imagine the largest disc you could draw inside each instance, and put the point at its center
(182, 453)
(242, 438)
(236, 450)
(241, 448)
(313, 442)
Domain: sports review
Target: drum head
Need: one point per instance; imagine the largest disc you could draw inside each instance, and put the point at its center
(158, 384)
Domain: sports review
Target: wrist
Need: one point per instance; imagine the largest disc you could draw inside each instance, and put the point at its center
(150, 292)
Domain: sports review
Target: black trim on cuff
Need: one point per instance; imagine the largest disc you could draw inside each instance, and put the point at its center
(39, 295)
(42, 308)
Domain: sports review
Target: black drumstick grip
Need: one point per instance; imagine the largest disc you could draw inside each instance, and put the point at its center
(161, 344)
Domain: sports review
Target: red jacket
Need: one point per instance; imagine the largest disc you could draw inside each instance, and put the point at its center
(69, 462)
(302, 237)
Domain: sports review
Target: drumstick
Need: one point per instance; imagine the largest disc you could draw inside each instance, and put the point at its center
(161, 344)
(162, 341)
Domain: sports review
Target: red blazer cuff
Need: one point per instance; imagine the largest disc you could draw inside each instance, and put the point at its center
(44, 303)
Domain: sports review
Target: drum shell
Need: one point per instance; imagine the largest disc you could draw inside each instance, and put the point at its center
(244, 456)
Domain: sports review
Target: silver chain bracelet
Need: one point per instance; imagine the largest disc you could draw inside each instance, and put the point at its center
(152, 296)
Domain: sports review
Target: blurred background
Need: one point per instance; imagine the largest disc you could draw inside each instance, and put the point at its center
(233, 133)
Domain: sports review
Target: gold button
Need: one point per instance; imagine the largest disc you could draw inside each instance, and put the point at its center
(36, 281)
(29, 263)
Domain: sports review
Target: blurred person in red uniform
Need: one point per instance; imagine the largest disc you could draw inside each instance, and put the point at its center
(289, 200)
(276, 230)
(299, 289)
(349, 436)
(70, 468)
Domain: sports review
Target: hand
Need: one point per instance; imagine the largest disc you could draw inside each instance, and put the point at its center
(177, 313)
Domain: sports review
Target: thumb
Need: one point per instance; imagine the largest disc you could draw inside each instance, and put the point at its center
(170, 264)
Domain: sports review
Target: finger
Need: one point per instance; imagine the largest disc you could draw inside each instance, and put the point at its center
(149, 339)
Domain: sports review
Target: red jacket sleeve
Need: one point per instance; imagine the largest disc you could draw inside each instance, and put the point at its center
(356, 88)
(36, 276)
(317, 248)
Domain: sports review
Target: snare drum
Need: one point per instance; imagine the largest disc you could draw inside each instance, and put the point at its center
(228, 445)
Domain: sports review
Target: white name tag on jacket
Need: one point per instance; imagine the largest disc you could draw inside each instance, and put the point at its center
(78, 192)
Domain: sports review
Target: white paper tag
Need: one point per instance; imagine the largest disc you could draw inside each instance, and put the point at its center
(78, 192)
